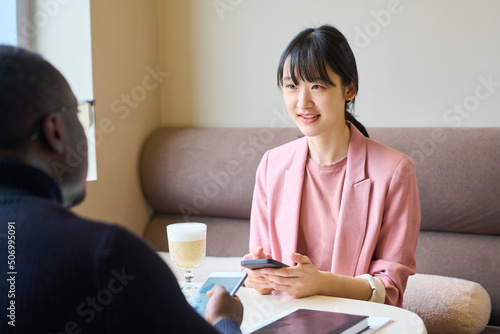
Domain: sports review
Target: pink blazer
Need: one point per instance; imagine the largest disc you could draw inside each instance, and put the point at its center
(379, 217)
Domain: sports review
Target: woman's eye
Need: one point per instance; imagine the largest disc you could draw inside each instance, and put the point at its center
(290, 86)
(317, 87)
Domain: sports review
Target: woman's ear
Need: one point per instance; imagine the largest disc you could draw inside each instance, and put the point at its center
(53, 130)
(350, 91)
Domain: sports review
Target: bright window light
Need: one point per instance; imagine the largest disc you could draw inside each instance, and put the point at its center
(8, 26)
(60, 32)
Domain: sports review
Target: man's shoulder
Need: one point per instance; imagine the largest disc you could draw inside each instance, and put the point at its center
(108, 233)
(71, 221)
(64, 227)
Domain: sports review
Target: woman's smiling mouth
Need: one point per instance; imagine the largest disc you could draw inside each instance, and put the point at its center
(308, 118)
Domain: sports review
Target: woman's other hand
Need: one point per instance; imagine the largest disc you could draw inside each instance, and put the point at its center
(299, 281)
(305, 280)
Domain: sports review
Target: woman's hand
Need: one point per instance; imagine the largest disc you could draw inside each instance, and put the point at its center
(255, 279)
(299, 281)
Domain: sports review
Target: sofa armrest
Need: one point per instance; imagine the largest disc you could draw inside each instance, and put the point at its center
(448, 305)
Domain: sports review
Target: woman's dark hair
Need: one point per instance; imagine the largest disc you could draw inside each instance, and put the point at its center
(312, 52)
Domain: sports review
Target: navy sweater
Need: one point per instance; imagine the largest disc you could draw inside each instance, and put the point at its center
(64, 274)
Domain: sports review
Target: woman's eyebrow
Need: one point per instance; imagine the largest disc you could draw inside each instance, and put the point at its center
(316, 79)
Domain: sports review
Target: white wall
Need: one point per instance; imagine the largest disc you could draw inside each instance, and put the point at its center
(124, 49)
(421, 63)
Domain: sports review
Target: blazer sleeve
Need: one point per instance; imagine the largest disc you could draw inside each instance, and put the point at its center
(394, 258)
(259, 217)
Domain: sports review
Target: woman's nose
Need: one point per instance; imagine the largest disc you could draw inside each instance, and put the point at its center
(304, 99)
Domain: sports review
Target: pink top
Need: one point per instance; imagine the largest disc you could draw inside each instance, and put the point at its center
(319, 211)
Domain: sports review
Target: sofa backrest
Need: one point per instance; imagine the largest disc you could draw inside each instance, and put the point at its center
(206, 171)
(211, 171)
(458, 175)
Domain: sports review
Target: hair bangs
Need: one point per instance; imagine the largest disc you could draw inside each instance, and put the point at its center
(306, 61)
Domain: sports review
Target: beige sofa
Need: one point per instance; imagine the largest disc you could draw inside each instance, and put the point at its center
(207, 175)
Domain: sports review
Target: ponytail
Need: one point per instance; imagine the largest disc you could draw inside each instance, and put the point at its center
(350, 117)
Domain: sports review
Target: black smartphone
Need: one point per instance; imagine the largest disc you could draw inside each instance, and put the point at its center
(262, 263)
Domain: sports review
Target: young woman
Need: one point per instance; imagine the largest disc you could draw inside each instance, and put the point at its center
(342, 210)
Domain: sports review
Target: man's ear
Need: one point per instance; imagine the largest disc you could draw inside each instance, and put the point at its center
(53, 132)
(350, 91)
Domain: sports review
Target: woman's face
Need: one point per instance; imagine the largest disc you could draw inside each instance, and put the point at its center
(317, 109)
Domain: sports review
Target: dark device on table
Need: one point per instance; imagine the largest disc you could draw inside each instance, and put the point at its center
(262, 263)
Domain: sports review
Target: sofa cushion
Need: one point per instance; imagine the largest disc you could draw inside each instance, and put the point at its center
(448, 305)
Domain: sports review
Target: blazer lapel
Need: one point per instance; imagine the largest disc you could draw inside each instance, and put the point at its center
(294, 180)
(353, 213)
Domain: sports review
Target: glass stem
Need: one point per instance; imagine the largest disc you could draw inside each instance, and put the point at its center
(188, 277)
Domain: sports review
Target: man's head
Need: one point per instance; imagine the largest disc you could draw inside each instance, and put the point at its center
(33, 127)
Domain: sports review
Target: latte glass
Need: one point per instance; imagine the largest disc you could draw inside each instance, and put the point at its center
(187, 243)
